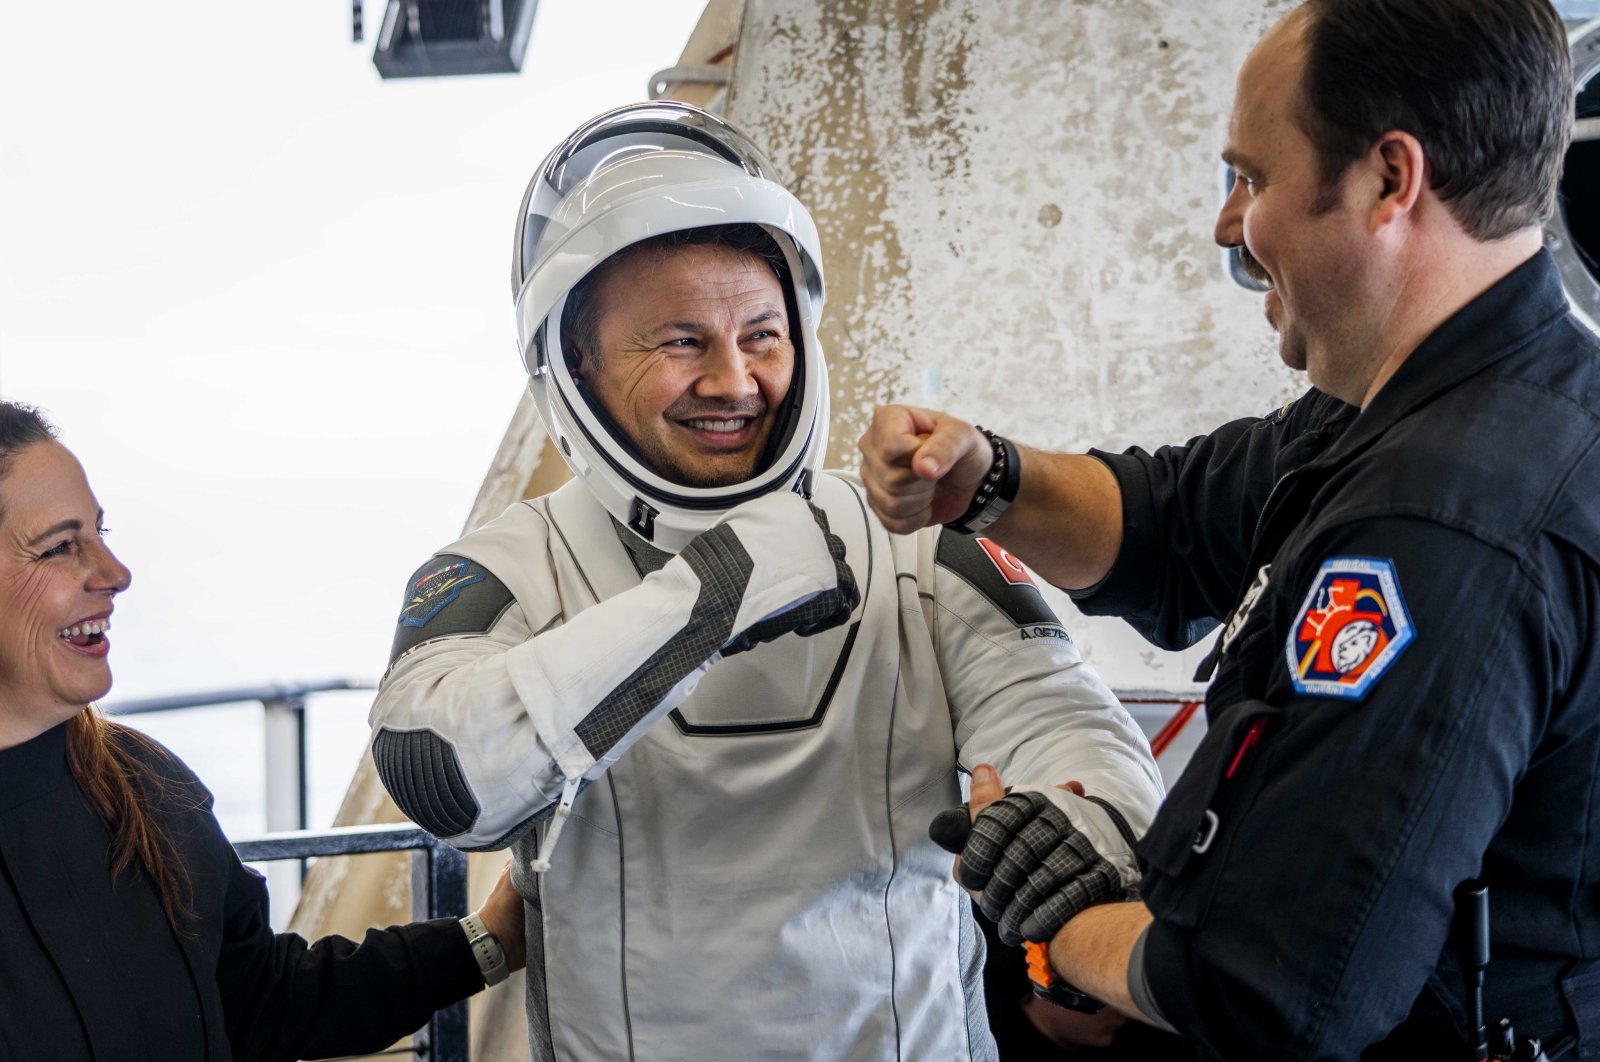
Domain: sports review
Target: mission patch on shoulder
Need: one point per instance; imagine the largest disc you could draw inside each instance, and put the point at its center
(998, 576)
(1351, 628)
(449, 595)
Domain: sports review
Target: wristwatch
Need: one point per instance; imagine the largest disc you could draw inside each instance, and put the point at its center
(486, 949)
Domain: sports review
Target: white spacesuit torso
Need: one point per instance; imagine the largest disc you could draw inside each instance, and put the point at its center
(747, 872)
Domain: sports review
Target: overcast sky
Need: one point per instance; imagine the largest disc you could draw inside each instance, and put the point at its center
(265, 296)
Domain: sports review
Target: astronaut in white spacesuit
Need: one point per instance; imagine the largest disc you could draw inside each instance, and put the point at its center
(708, 700)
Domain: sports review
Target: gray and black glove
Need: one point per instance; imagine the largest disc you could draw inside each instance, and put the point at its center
(1033, 868)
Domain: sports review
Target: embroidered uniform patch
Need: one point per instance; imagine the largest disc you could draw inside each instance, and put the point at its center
(996, 576)
(1011, 569)
(1352, 627)
(435, 589)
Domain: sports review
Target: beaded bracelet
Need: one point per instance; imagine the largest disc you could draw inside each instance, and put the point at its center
(997, 490)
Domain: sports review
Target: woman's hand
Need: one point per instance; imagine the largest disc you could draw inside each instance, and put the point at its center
(502, 915)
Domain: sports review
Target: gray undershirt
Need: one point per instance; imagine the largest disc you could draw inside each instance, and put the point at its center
(645, 557)
(1139, 985)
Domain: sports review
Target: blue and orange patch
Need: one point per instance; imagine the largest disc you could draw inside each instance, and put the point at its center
(1351, 629)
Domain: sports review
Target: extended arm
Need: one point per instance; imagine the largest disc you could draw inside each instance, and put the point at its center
(922, 467)
(284, 998)
(1160, 539)
(1094, 949)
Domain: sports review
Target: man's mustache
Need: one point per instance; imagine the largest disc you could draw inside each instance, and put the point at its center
(691, 409)
(1252, 268)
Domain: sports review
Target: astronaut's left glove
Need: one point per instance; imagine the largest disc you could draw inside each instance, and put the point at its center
(1030, 858)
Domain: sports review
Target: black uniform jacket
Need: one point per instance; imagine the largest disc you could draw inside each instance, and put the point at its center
(1407, 696)
(90, 970)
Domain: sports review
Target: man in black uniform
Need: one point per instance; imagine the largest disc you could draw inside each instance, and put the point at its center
(1405, 564)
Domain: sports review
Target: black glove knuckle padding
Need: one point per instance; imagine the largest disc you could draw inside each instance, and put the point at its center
(1035, 892)
(1033, 867)
(1099, 884)
(950, 829)
(1036, 888)
(1006, 899)
(992, 832)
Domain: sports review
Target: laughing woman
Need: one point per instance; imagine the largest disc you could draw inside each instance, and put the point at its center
(128, 928)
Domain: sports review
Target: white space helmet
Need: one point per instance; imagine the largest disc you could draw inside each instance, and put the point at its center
(628, 175)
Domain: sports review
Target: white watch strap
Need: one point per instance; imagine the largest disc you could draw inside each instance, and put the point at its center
(486, 949)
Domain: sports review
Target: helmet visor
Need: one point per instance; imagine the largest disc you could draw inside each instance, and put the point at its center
(613, 138)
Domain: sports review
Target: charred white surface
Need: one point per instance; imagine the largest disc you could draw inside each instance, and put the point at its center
(1016, 203)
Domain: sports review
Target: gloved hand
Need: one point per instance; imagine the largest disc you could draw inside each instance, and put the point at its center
(1031, 865)
(777, 553)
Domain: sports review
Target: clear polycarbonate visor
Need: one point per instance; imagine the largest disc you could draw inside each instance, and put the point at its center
(608, 139)
(631, 196)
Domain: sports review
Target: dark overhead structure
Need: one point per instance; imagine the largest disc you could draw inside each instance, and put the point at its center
(444, 38)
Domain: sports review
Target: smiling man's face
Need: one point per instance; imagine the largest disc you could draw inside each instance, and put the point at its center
(1299, 234)
(694, 358)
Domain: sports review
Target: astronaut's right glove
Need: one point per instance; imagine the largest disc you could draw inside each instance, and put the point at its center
(1031, 864)
(778, 554)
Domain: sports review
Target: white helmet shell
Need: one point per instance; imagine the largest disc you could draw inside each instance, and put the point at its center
(626, 176)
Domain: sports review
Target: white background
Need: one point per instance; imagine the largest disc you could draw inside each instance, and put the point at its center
(265, 295)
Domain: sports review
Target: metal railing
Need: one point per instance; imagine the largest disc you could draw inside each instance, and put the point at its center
(284, 730)
(438, 890)
(1186, 703)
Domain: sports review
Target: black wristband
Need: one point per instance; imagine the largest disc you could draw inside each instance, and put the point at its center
(1064, 995)
(997, 490)
(1047, 985)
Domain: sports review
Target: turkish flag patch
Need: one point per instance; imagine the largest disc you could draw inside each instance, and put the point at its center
(1011, 569)
(1351, 629)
